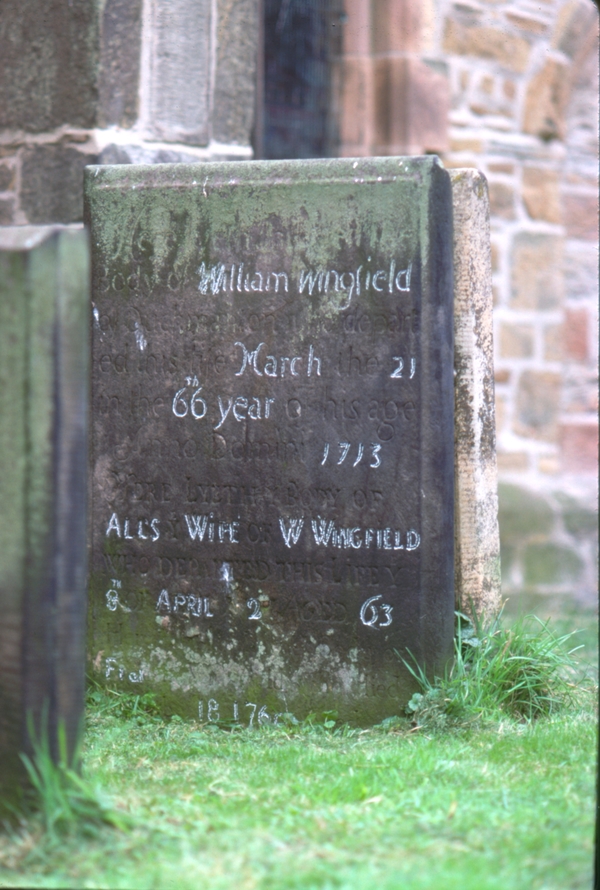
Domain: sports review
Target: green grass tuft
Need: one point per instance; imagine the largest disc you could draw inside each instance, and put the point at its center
(523, 671)
(66, 801)
(140, 708)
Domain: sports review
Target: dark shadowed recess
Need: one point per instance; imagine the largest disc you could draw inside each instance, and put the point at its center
(300, 40)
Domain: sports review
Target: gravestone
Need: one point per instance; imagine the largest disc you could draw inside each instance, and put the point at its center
(44, 344)
(272, 396)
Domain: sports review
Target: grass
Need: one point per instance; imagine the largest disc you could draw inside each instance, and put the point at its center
(505, 802)
(524, 670)
(66, 803)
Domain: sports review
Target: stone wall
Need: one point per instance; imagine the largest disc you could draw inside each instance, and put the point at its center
(512, 89)
(524, 85)
(121, 81)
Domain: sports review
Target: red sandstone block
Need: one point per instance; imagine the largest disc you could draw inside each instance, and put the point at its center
(527, 23)
(396, 26)
(577, 20)
(516, 340)
(495, 257)
(355, 102)
(537, 277)
(501, 167)
(357, 29)
(487, 43)
(538, 398)
(553, 343)
(540, 194)
(579, 447)
(411, 107)
(580, 213)
(511, 462)
(502, 200)
(545, 102)
(575, 335)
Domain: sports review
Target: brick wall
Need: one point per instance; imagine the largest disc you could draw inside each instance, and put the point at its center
(524, 109)
(512, 89)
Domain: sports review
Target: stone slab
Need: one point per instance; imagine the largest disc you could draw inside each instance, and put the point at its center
(477, 537)
(119, 69)
(44, 303)
(234, 102)
(272, 467)
(180, 71)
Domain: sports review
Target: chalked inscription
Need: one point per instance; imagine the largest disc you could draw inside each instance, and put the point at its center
(272, 490)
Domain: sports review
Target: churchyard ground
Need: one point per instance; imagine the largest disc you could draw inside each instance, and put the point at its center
(504, 804)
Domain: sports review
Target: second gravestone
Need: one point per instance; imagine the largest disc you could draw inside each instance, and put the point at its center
(272, 493)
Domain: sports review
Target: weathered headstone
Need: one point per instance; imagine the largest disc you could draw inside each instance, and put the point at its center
(44, 340)
(272, 491)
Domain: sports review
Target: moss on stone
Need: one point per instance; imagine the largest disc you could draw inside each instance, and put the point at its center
(508, 557)
(522, 514)
(578, 520)
(547, 563)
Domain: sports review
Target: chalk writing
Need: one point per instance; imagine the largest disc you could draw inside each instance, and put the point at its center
(327, 533)
(397, 372)
(243, 409)
(240, 407)
(330, 569)
(352, 363)
(197, 406)
(209, 528)
(221, 278)
(143, 529)
(344, 448)
(273, 367)
(370, 613)
(113, 667)
(215, 713)
(290, 530)
(198, 606)
(322, 281)
(113, 601)
(214, 529)
(255, 611)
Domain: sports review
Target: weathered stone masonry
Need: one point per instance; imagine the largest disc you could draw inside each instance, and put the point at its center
(510, 88)
(119, 82)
